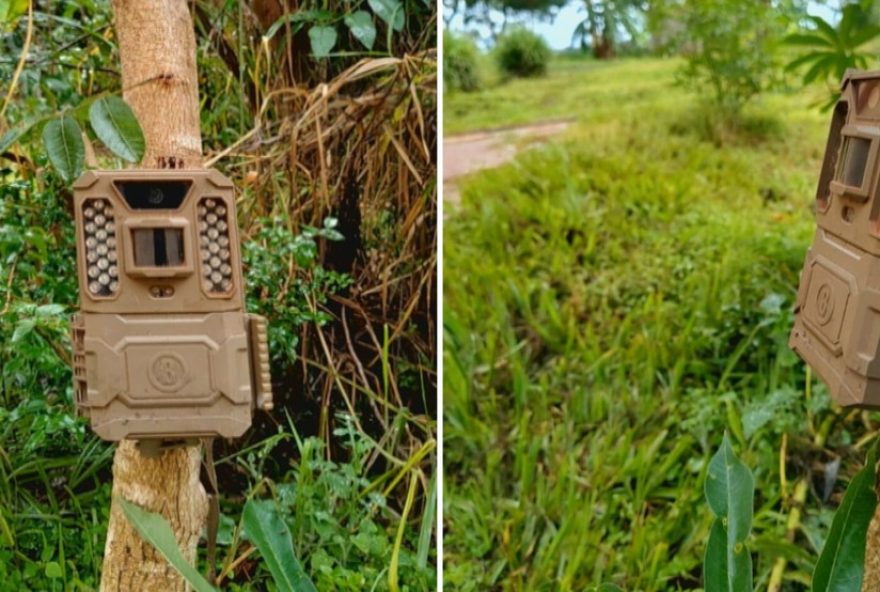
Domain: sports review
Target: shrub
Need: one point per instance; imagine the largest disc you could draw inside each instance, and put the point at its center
(522, 53)
(460, 63)
(730, 49)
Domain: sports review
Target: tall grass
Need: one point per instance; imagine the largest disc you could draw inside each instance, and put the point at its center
(614, 302)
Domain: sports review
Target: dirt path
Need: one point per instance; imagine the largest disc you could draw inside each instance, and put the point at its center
(468, 153)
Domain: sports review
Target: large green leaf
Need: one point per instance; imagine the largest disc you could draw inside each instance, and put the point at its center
(390, 11)
(361, 25)
(116, 125)
(323, 40)
(154, 529)
(842, 563)
(726, 570)
(265, 528)
(64, 145)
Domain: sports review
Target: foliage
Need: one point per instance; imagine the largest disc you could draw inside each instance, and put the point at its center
(265, 527)
(842, 563)
(460, 63)
(337, 517)
(622, 297)
(343, 275)
(730, 492)
(731, 49)
(606, 20)
(521, 53)
(830, 51)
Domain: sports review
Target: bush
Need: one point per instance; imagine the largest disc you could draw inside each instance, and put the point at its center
(460, 63)
(522, 53)
(731, 49)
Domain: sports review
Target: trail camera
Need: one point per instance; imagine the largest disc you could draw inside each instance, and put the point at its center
(837, 317)
(163, 348)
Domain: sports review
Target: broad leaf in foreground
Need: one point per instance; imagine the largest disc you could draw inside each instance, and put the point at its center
(154, 529)
(116, 125)
(730, 492)
(265, 528)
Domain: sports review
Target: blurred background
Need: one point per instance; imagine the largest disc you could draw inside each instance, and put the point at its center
(628, 203)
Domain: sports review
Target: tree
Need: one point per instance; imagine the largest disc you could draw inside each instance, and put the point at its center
(606, 20)
(158, 54)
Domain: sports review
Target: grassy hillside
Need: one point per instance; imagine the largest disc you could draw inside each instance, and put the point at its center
(614, 302)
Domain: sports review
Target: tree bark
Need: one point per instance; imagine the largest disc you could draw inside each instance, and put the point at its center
(158, 54)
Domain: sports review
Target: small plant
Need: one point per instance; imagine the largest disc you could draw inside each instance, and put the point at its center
(522, 54)
(460, 63)
(730, 492)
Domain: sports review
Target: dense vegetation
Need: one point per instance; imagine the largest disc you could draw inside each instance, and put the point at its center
(339, 255)
(622, 297)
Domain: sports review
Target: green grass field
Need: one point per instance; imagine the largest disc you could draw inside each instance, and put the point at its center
(614, 302)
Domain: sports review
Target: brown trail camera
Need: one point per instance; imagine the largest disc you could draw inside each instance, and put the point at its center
(163, 348)
(837, 317)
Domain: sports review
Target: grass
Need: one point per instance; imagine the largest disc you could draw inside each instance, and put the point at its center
(348, 454)
(614, 302)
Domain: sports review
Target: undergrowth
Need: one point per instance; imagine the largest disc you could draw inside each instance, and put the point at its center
(615, 300)
(338, 254)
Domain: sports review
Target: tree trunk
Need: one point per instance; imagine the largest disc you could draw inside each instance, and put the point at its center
(158, 53)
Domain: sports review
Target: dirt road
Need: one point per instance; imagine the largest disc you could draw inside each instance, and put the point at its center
(468, 153)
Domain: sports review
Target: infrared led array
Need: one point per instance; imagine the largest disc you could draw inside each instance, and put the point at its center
(99, 229)
(214, 246)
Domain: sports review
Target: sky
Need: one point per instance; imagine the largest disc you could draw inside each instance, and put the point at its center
(558, 31)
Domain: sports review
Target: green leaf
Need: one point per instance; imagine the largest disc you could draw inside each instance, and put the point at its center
(842, 562)
(53, 570)
(64, 144)
(50, 310)
(116, 125)
(390, 11)
(807, 39)
(425, 539)
(730, 491)
(361, 25)
(296, 19)
(726, 569)
(323, 40)
(154, 529)
(266, 529)
(12, 9)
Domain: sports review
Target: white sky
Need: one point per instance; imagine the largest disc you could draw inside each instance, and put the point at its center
(558, 31)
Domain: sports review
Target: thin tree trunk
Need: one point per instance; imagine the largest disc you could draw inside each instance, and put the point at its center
(158, 53)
